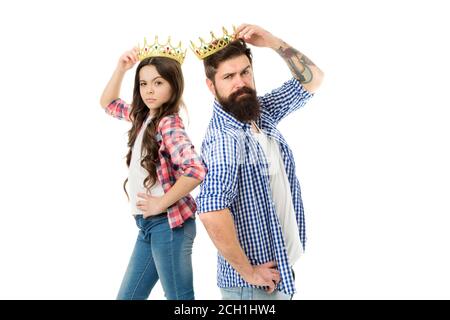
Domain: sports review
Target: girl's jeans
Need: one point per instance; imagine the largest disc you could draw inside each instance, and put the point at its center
(160, 253)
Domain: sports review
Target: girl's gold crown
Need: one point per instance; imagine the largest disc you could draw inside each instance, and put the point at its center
(216, 44)
(158, 50)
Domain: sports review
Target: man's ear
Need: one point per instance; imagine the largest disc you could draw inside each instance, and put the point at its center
(211, 87)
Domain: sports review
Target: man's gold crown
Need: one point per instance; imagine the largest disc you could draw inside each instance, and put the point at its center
(158, 50)
(216, 44)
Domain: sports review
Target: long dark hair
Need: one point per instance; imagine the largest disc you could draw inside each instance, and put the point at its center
(170, 70)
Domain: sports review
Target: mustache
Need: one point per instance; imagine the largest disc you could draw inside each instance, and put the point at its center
(241, 91)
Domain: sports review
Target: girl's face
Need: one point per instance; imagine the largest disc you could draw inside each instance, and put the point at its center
(155, 91)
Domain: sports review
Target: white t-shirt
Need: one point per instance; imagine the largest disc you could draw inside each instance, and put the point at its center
(281, 195)
(137, 173)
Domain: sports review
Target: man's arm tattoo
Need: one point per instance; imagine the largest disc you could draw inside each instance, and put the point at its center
(298, 63)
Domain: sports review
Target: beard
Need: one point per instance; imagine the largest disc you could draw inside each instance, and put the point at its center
(242, 104)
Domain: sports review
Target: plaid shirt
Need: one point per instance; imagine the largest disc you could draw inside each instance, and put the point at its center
(238, 179)
(177, 158)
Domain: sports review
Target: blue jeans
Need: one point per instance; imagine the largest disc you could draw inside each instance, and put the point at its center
(244, 293)
(160, 253)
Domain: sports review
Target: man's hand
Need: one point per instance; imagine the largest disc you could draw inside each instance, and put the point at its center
(257, 36)
(300, 65)
(265, 275)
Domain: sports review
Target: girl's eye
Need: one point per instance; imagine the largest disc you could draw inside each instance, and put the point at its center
(142, 84)
(158, 83)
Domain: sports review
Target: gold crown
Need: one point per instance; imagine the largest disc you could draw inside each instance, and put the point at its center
(158, 50)
(216, 44)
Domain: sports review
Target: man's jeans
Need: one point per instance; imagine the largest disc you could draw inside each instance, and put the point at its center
(238, 293)
(160, 253)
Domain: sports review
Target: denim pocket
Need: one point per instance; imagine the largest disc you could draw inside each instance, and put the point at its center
(138, 218)
(233, 293)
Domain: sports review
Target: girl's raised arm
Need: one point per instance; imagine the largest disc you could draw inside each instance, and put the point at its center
(112, 89)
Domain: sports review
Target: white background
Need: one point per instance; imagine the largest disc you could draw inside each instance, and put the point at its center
(371, 147)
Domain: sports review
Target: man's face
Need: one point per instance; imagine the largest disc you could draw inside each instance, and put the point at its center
(234, 88)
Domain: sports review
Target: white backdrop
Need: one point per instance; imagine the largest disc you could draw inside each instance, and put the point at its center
(371, 147)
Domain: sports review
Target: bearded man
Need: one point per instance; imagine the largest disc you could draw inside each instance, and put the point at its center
(250, 201)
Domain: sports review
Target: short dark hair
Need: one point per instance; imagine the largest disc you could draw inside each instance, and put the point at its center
(234, 49)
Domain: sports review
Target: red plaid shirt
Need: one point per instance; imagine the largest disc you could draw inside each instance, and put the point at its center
(177, 158)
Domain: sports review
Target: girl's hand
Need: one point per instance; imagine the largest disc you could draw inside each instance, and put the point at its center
(149, 205)
(128, 60)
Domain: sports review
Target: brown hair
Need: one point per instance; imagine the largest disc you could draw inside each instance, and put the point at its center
(234, 49)
(170, 70)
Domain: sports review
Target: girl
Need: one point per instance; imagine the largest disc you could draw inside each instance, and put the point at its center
(163, 169)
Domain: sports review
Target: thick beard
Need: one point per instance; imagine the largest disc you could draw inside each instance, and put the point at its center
(242, 104)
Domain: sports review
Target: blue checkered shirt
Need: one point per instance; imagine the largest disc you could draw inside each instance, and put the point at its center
(238, 179)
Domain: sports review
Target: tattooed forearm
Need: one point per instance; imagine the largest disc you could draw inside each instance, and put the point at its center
(297, 62)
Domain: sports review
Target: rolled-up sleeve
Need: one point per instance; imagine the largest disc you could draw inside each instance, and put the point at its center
(181, 150)
(119, 109)
(220, 187)
(288, 98)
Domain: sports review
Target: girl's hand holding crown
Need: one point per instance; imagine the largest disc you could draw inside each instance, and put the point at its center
(128, 60)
